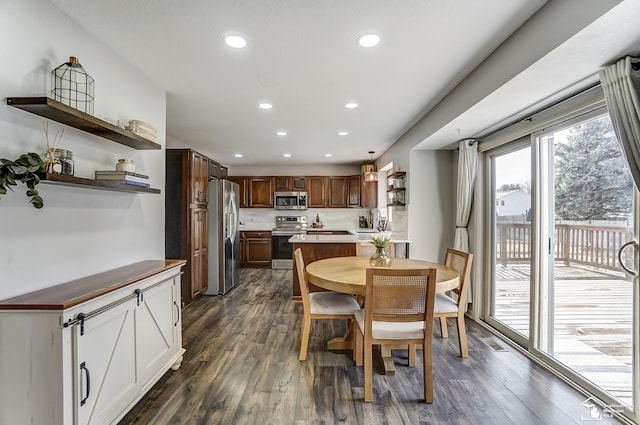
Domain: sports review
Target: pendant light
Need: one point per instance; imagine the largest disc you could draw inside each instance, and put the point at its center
(369, 170)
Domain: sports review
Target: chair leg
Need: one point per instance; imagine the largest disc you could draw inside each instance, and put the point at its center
(462, 337)
(443, 327)
(428, 371)
(368, 372)
(357, 344)
(412, 355)
(304, 337)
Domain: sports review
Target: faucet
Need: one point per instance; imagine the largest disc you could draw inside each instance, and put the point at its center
(373, 216)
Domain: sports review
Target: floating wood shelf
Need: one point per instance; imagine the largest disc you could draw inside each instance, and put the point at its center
(397, 175)
(56, 111)
(64, 180)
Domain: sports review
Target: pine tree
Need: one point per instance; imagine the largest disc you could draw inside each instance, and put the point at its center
(592, 180)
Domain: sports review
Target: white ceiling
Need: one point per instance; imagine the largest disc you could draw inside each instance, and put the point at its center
(302, 57)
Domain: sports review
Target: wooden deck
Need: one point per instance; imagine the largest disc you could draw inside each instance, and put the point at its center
(592, 323)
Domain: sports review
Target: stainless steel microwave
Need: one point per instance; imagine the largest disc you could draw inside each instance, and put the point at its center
(290, 200)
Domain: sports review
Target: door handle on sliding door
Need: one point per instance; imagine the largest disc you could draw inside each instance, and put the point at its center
(633, 273)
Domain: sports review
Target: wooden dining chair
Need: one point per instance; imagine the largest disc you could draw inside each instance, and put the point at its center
(398, 310)
(320, 305)
(446, 306)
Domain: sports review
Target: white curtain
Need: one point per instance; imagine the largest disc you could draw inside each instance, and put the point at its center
(467, 170)
(621, 85)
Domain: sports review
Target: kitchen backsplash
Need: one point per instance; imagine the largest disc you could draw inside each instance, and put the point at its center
(331, 218)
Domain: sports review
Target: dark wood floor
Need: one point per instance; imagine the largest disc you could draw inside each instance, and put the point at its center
(241, 367)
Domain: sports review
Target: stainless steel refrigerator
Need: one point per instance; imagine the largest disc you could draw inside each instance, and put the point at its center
(224, 237)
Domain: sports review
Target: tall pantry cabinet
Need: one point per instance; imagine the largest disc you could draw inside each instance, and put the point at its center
(186, 217)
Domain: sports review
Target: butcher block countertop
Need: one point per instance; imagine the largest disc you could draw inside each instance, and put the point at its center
(65, 295)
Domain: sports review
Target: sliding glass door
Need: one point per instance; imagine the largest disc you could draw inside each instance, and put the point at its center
(509, 307)
(563, 206)
(586, 317)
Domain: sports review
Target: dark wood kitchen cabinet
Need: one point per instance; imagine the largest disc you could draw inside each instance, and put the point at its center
(337, 188)
(199, 180)
(243, 192)
(217, 170)
(288, 183)
(256, 249)
(353, 191)
(261, 192)
(186, 217)
(317, 189)
(284, 183)
(299, 184)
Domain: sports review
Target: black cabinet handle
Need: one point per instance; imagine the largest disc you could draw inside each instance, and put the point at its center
(83, 366)
(178, 310)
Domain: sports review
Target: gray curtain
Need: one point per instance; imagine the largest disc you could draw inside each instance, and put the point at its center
(621, 85)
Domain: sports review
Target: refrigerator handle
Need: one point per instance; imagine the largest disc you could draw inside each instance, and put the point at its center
(227, 225)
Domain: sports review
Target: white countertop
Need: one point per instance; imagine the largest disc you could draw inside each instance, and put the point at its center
(352, 238)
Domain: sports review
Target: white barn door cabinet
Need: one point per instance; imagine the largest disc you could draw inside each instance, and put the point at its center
(86, 351)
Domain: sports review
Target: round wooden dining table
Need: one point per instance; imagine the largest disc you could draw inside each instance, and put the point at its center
(348, 275)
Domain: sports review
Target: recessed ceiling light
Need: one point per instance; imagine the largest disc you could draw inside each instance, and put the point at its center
(281, 133)
(351, 105)
(287, 155)
(265, 105)
(238, 155)
(368, 40)
(343, 133)
(328, 155)
(235, 41)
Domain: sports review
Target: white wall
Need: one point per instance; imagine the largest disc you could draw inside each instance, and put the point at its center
(79, 231)
(432, 209)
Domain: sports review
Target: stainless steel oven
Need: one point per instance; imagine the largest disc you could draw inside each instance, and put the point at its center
(281, 248)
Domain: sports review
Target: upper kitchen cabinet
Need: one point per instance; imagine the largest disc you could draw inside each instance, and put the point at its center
(283, 183)
(368, 194)
(288, 183)
(261, 192)
(337, 188)
(299, 183)
(353, 191)
(317, 191)
(217, 170)
(200, 178)
(243, 192)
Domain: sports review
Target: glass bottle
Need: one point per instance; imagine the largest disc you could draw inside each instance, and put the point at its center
(68, 165)
(54, 165)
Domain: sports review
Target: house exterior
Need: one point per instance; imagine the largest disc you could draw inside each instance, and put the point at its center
(513, 205)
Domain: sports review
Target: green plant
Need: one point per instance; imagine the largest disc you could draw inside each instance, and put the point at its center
(28, 169)
(380, 241)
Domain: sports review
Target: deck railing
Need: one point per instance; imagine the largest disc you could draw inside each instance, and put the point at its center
(592, 245)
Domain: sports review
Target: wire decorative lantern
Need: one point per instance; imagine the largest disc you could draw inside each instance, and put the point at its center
(73, 86)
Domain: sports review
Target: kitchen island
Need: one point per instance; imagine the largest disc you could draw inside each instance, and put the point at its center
(320, 246)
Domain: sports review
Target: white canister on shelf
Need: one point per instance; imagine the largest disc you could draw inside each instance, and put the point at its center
(126, 165)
